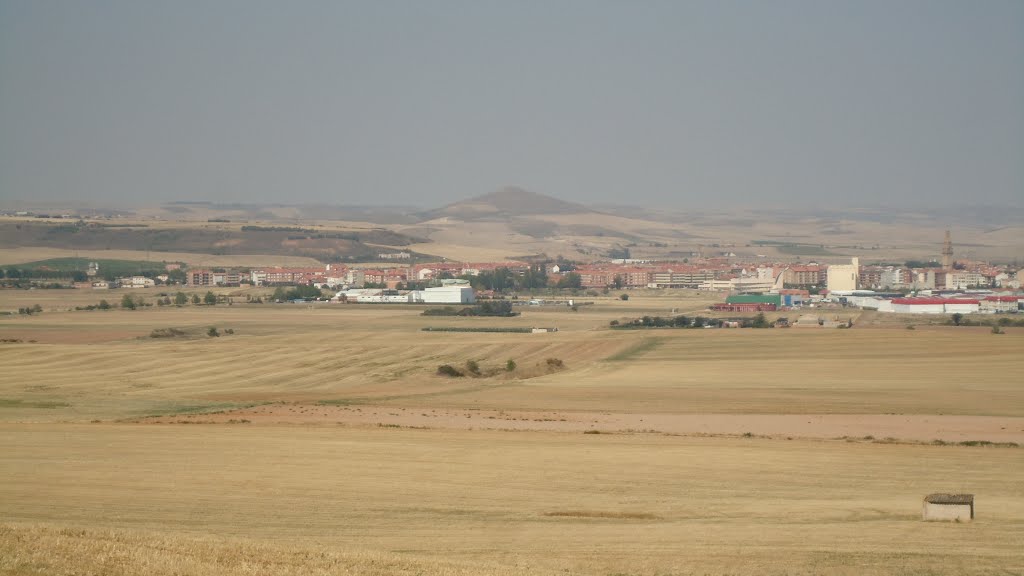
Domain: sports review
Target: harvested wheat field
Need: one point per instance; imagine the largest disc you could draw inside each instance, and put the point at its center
(322, 439)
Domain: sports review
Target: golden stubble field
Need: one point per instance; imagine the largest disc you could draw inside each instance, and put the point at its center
(310, 441)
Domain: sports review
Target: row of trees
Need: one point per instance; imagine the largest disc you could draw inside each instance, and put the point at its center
(758, 321)
(502, 279)
(19, 275)
(130, 302)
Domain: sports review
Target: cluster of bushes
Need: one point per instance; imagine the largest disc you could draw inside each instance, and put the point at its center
(26, 284)
(304, 292)
(212, 332)
(31, 310)
(1003, 322)
(472, 368)
(477, 329)
(499, 308)
(103, 305)
(167, 333)
(758, 321)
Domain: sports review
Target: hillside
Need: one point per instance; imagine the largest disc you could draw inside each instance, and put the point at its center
(325, 244)
(506, 203)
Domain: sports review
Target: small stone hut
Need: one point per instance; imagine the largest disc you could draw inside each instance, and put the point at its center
(949, 507)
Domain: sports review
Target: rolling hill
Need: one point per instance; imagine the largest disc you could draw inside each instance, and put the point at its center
(506, 203)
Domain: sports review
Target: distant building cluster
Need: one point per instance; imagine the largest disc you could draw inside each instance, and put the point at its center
(947, 287)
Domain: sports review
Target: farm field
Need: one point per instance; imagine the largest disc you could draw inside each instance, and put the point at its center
(320, 439)
(524, 503)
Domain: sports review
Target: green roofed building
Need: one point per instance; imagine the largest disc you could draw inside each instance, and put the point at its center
(775, 299)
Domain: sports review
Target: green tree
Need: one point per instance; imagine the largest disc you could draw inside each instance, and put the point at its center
(196, 300)
(571, 280)
(180, 299)
(210, 299)
(104, 305)
(127, 302)
(212, 332)
(760, 321)
(957, 318)
(617, 282)
(623, 296)
(510, 366)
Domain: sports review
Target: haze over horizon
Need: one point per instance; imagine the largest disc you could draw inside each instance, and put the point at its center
(702, 104)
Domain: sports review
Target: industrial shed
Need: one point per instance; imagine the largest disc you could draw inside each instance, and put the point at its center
(749, 303)
(949, 507)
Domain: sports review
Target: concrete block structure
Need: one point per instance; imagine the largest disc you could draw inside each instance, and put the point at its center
(843, 277)
(948, 507)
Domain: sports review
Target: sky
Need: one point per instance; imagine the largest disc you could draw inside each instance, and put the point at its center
(660, 103)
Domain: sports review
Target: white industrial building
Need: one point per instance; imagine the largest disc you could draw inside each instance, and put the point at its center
(1001, 304)
(934, 306)
(453, 294)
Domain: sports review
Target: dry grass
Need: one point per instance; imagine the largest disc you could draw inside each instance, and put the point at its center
(104, 365)
(41, 549)
(430, 498)
(120, 498)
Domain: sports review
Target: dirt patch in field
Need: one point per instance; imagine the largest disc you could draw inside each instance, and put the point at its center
(861, 427)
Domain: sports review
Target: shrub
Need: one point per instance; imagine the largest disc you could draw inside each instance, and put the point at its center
(166, 333)
(613, 323)
(212, 332)
(997, 330)
(555, 363)
(449, 370)
(510, 366)
(229, 330)
(624, 297)
(472, 367)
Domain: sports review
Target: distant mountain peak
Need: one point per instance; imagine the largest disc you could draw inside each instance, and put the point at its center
(510, 201)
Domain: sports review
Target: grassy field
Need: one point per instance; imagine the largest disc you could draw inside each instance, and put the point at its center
(545, 503)
(89, 485)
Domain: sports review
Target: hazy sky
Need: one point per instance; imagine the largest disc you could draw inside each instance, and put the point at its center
(663, 102)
